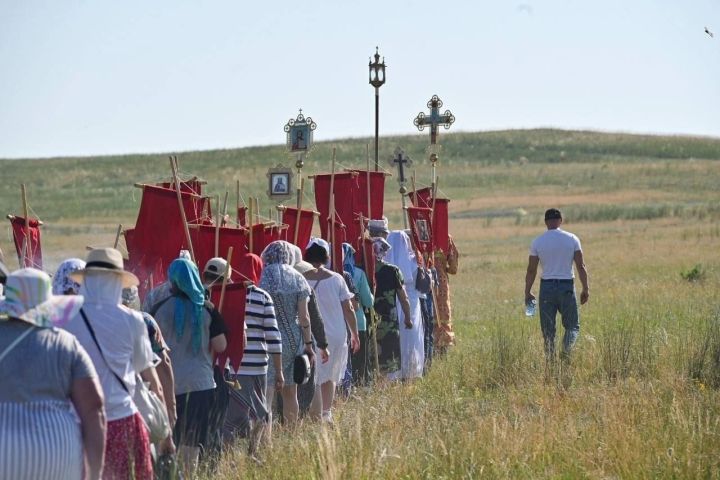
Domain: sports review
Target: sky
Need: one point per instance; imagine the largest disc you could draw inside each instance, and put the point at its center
(93, 77)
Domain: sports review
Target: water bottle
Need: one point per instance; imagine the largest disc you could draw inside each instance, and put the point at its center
(530, 308)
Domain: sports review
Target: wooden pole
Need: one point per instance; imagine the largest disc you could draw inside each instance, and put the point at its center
(248, 216)
(299, 210)
(26, 241)
(237, 202)
(412, 179)
(117, 236)
(332, 210)
(218, 220)
(225, 280)
(174, 168)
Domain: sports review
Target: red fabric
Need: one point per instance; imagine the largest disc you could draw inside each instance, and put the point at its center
(250, 268)
(423, 239)
(34, 249)
(233, 312)
(127, 450)
(441, 229)
(191, 186)
(148, 269)
(264, 235)
(422, 197)
(351, 200)
(203, 238)
(307, 218)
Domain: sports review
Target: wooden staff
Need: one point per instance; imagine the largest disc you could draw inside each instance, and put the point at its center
(412, 180)
(225, 280)
(117, 236)
(26, 241)
(299, 210)
(237, 202)
(257, 210)
(248, 215)
(218, 220)
(176, 179)
(332, 210)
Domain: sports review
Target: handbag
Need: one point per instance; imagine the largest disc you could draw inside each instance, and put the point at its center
(151, 408)
(422, 281)
(301, 369)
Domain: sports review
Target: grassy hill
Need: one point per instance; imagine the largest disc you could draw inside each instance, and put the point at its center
(641, 398)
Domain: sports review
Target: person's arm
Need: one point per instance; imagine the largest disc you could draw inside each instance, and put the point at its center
(405, 305)
(273, 340)
(583, 274)
(530, 275)
(351, 322)
(218, 329)
(304, 322)
(277, 363)
(87, 398)
(167, 380)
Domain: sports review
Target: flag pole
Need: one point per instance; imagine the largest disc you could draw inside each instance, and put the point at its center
(299, 210)
(174, 168)
(332, 210)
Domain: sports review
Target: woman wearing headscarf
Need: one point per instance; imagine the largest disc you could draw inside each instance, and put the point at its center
(117, 341)
(289, 291)
(388, 289)
(365, 301)
(333, 297)
(412, 340)
(45, 373)
(62, 284)
(194, 330)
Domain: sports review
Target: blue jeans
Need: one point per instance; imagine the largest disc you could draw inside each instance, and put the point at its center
(558, 295)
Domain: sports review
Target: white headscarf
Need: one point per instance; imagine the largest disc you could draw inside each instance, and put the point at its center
(402, 255)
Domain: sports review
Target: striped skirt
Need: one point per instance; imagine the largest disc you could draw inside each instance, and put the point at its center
(40, 440)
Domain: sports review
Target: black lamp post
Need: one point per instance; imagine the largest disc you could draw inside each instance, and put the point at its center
(377, 80)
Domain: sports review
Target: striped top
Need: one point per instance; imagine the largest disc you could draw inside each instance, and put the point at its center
(263, 336)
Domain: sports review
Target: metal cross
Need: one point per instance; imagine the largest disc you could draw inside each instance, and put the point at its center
(435, 119)
(401, 160)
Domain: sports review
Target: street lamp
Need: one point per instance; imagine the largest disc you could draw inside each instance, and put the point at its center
(377, 80)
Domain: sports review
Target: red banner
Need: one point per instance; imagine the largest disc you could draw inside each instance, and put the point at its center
(33, 249)
(233, 312)
(421, 228)
(149, 269)
(351, 200)
(422, 197)
(307, 218)
(263, 235)
(203, 238)
(440, 219)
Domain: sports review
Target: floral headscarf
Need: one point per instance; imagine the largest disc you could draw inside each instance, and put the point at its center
(62, 283)
(380, 248)
(277, 253)
(348, 258)
(278, 275)
(185, 277)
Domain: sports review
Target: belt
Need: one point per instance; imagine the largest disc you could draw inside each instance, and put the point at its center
(556, 280)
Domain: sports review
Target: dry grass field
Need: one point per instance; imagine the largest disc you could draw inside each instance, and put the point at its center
(641, 397)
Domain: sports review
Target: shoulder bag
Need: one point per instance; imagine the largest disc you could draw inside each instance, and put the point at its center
(151, 408)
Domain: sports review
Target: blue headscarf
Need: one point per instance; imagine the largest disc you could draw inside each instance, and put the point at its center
(348, 259)
(184, 276)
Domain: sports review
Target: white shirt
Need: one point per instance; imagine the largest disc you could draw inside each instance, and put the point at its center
(330, 293)
(556, 249)
(122, 335)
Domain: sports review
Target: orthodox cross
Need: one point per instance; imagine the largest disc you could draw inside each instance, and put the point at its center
(401, 160)
(435, 119)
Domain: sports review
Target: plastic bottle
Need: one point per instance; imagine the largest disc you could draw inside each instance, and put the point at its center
(530, 307)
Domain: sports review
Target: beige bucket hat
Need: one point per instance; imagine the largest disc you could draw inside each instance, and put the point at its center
(106, 260)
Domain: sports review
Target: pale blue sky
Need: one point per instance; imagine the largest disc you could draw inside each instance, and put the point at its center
(93, 77)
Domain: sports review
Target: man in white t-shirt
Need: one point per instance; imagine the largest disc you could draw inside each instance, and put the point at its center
(556, 250)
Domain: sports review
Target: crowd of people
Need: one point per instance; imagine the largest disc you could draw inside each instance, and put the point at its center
(77, 350)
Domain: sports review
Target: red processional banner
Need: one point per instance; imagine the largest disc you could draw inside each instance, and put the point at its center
(421, 228)
(440, 219)
(29, 246)
(290, 218)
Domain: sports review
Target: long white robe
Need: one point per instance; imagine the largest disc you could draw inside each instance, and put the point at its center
(412, 341)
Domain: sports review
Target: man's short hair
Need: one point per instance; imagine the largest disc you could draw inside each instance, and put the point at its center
(553, 214)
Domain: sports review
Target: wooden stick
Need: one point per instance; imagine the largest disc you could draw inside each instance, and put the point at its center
(367, 160)
(174, 168)
(225, 205)
(26, 242)
(412, 180)
(117, 236)
(237, 202)
(332, 210)
(225, 279)
(257, 210)
(248, 216)
(217, 227)
(299, 210)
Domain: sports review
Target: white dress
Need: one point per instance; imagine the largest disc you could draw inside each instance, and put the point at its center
(329, 293)
(412, 341)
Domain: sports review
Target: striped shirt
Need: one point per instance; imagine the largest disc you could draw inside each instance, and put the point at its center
(263, 336)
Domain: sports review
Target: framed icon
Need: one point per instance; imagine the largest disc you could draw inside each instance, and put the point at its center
(279, 183)
(300, 134)
(423, 232)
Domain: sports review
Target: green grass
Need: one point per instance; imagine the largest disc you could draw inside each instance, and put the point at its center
(641, 397)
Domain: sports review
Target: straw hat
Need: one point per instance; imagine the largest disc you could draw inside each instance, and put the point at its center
(106, 260)
(29, 298)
